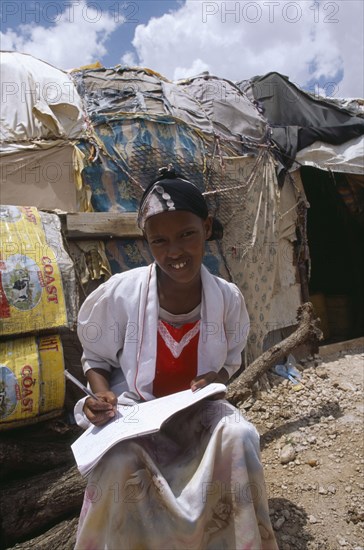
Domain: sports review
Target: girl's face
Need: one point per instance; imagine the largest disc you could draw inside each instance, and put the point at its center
(177, 243)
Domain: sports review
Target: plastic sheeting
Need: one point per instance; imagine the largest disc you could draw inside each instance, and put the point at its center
(47, 177)
(39, 102)
(207, 103)
(346, 158)
(298, 119)
(142, 122)
(230, 111)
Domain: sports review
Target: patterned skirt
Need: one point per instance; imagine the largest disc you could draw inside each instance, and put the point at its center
(196, 485)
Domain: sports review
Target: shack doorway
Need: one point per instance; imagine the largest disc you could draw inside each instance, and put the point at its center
(335, 238)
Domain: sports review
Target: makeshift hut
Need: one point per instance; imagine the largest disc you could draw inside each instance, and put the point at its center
(321, 144)
(213, 134)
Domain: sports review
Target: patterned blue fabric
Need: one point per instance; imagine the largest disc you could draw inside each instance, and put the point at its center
(129, 153)
(134, 149)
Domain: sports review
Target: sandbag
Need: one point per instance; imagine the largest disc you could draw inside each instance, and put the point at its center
(32, 382)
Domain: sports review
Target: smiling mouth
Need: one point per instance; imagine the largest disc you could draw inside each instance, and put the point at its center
(178, 265)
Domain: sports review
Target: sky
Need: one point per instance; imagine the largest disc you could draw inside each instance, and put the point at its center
(318, 44)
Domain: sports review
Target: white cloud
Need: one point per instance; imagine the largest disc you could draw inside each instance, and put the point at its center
(305, 40)
(77, 36)
(198, 66)
(129, 59)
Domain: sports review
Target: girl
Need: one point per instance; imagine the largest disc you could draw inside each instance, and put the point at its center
(149, 332)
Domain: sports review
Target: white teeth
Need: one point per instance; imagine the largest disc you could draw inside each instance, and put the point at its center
(178, 266)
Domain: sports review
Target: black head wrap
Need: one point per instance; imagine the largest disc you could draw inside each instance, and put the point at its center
(171, 192)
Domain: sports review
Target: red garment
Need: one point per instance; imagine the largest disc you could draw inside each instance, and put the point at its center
(176, 363)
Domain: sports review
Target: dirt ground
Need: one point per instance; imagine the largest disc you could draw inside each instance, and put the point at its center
(313, 453)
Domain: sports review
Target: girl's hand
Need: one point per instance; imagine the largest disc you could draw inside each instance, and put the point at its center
(208, 378)
(101, 411)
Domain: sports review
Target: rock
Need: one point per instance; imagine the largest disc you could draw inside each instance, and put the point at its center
(312, 519)
(312, 461)
(355, 516)
(287, 454)
(278, 524)
(248, 403)
(345, 386)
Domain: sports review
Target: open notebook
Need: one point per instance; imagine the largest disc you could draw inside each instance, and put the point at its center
(132, 421)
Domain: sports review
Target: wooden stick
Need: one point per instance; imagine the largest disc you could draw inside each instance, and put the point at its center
(95, 225)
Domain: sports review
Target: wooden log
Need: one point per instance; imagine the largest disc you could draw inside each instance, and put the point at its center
(30, 507)
(97, 225)
(36, 448)
(24, 458)
(61, 537)
(307, 330)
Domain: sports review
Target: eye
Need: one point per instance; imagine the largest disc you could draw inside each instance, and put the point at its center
(188, 233)
(157, 241)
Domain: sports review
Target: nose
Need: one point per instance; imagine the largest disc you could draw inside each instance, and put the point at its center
(174, 249)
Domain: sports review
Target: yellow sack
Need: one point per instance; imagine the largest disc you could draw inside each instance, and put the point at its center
(31, 292)
(32, 382)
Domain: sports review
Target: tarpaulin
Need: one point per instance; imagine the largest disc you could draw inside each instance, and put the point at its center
(47, 177)
(346, 157)
(230, 111)
(38, 101)
(207, 103)
(298, 119)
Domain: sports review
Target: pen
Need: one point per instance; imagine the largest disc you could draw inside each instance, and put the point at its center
(80, 385)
